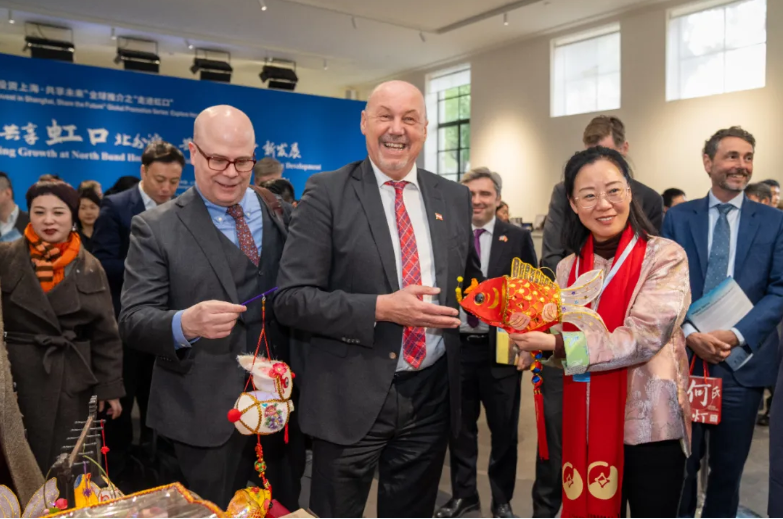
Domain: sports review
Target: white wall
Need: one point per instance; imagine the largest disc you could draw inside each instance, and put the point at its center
(173, 63)
(512, 132)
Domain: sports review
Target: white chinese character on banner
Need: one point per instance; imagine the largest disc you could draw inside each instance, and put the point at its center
(138, 142)
(50, 90)
(294, 151)
(185, 143)
(141, 100)
(60, 91)
(111, 97)
(56, 136)
(35, 89)
(93, 95)
(281, 150)
(30, 137)
(102, 96)
(151, 137)
(269, 149)
(10, 132)
(3, 84)
(13, 85)
(123, 140)
(69, 92)
(98, 135)
(79, 92)
(24, 88)
(150, 101)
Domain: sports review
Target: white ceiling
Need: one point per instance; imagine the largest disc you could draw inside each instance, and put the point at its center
(386, 40)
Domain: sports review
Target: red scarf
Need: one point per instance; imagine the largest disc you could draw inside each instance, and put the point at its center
(593, 459)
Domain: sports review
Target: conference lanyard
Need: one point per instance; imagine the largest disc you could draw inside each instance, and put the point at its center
(614, 270)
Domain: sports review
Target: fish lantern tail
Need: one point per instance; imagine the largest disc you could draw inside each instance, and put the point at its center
(543, 446)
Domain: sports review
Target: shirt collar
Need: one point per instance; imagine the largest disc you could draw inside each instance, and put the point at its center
(382, 178)
(149, 203)
(13, 216)
(736, 201)
(249, 204)
(488, 227)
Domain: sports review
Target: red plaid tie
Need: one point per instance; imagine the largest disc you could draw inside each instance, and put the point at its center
(244, 236)
(414, 341)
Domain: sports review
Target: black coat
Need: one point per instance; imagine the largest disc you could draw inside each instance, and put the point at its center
(63, 345)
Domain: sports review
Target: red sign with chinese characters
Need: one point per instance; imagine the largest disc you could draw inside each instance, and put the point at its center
(705, 395)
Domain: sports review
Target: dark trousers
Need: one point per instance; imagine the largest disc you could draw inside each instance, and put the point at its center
(548, 487)
(216, 473)
(407, 444)
(653, 474)
(498, 388)
(729, 447)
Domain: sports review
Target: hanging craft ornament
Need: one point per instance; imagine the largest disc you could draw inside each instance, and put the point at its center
(264, 410)
(528, 301)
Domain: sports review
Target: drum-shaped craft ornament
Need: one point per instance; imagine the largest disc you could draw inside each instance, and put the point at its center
(261, 413)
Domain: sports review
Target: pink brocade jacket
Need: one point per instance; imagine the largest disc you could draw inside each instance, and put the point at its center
(650, 344)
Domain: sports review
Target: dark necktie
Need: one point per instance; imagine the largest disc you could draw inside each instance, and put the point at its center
(473, 321)
(718, 263)
(414, 340)
(244, 236)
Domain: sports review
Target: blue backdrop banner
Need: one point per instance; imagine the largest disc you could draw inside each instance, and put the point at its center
(82, 122)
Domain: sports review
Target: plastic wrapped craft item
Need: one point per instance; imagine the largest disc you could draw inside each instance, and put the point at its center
(168, 501)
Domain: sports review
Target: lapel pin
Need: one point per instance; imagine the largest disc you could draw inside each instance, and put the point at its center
(503, 238)
(438, 216)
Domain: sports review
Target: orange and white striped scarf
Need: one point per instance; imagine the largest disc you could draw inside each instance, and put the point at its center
(51, 259)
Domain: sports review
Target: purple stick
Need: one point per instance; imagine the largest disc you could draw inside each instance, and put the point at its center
(259, 296)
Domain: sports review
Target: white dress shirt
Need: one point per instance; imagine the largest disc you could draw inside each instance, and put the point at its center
(734, 222)
(8, 225)
(485, 240)
(149, 203)
(414, 205)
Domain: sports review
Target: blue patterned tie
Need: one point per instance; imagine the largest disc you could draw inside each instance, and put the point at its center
(718, 264)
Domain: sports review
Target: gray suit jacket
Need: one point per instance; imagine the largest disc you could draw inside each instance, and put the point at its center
(175, 260)
(337, 260)
(553, 249)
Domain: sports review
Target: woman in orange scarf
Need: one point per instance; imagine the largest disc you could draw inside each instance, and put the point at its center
(626, 419)
(61, 334)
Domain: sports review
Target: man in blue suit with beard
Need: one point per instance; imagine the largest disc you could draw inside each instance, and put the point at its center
(727, 235)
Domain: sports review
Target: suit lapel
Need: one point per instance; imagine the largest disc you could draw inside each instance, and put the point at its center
(137, 203)
(24, 287)
(748, 227)
(433, 204)
(700, 228)
(194, 215)
(270, 241)
(369, 194)
(498, 252)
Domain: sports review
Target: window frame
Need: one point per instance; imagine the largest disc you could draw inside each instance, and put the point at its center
(434, 148)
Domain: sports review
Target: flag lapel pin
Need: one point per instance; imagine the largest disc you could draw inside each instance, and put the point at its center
(503, 238)
(438, 216)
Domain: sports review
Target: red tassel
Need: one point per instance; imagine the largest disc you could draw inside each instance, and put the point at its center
(543, 447)
(286, 433)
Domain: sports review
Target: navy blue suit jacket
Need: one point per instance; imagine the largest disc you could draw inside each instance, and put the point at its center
(111, 237)
(758, 269)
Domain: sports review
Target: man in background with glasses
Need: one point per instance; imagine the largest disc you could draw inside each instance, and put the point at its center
(191, 265)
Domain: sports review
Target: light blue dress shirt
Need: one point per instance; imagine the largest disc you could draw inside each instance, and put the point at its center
(734, 223)
(225, 224)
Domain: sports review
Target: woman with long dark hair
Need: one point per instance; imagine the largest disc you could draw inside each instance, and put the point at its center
(626, 418)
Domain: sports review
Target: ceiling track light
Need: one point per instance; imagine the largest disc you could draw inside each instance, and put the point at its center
(326, 65)
(11, 17)
(262, 4)
(190, 45)
(421, 35)
(113, 34)
(505, 18)
(353, 21)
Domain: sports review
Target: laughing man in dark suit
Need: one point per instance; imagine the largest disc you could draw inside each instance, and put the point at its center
(368, 244)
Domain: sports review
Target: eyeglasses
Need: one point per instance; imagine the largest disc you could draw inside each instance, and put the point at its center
(616, 195)
(242, 165)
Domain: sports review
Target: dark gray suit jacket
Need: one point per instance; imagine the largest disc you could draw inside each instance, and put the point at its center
(337, 260)
(553, 249)
(175, 260)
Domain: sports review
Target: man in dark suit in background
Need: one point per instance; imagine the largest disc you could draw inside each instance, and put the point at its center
(12, 219)
(161, 170)
(727, 235)
(368, 243)
(497, 386)
(610, 133)
(190, 263)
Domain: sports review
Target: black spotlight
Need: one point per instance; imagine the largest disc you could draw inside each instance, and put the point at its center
(212, 69)
(45, 45)
(279, 78)
(136, 59)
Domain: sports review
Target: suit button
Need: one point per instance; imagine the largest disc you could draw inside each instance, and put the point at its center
(392, 356)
